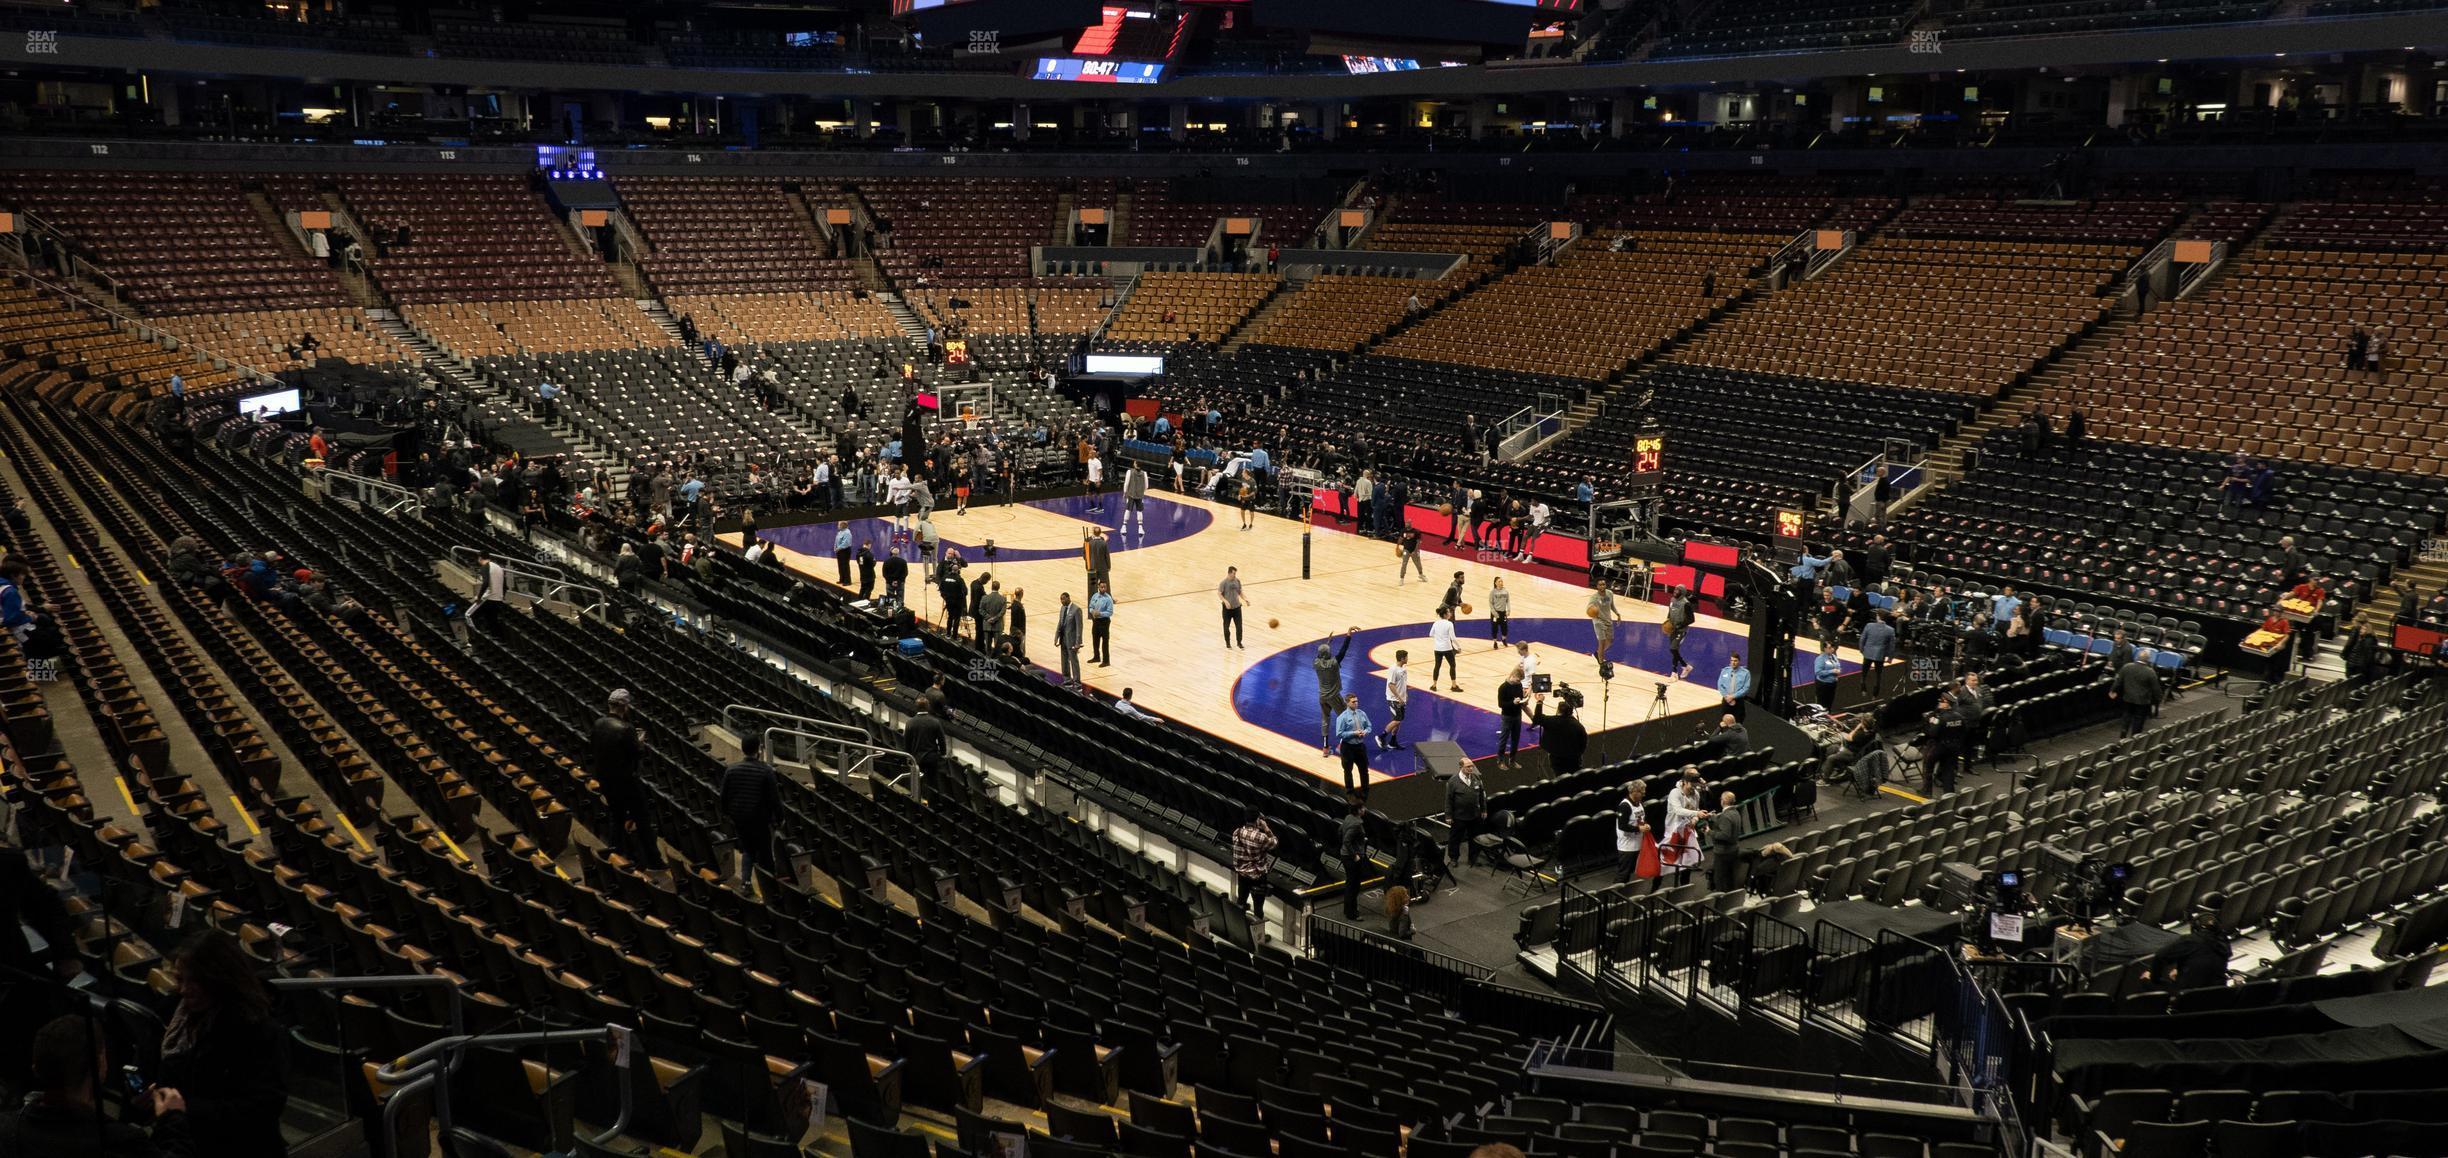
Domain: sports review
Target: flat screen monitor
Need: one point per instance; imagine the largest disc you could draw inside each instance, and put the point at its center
(1126, 365)
(269, 404)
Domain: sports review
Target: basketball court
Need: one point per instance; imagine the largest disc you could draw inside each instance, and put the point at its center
(1167, 637)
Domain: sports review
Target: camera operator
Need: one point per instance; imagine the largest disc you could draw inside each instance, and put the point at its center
(1560, 732)
(2197, 960)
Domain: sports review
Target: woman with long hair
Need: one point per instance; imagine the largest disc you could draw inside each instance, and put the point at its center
(224, 1052)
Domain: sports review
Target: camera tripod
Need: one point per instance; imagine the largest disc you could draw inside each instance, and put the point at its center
(1657, 711)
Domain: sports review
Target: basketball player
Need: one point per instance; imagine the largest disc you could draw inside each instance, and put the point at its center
(1096, 483)
(1447, 653)
(1398, 697)
(1134, 497)
(1602, 619)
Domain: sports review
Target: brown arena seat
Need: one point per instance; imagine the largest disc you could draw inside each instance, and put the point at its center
(473, 237)
(176, 242)
(265, 337)
(732, 235)
(1594, 310)
(69, 354)
(806, 316)
(1341, 311)
(1927, 313)
(962, 230)
(1203, 305)
(2256, 361)
(1008, 310)
(489, 329)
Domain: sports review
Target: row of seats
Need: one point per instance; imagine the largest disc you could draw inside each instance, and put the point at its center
(92, 357)
(175, 242)
(2261, 356)
(1594, 310)
(267, 338)
(802, 316)
(961, 231)
(1192, 307)
(1925, 313)
(729, 235)
(474, 237)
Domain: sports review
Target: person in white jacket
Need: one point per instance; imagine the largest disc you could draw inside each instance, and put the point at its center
(1679, 848)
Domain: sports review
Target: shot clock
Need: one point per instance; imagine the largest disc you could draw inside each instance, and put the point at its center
(1787, 527)
(1648, 458)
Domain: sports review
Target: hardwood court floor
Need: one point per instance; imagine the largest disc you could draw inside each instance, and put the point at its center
(1167, 625)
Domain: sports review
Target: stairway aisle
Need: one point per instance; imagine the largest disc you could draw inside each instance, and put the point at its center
(509, 421)
(912, 326)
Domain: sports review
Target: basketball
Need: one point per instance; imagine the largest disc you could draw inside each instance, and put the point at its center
(1466, 609)
(1445, 509)
(1274, 623)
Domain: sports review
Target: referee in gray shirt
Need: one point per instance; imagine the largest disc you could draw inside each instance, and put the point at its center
(1230, 591)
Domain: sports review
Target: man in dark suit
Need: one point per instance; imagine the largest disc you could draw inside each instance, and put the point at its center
(923, 738)
(1944, 735)
(1465, 811)
(1724, 829)
(2293, 566)
(1068, 630)
(2137, 688)
(1100, 558)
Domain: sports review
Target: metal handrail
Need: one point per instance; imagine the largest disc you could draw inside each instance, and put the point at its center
(731, 712)
(426, 1067)
(461, 553)
(843, 746)
(458, 1020)
(397, 497)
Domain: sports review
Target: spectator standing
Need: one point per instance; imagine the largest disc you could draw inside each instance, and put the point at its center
(223, 1052)
(1826, 669)
(841, 553)
(1725, 846)
(1500, 613)
(2137, 689)
(1632, 833)
(1099, 554)
(923, 737)
(1465, 812)
(1351, 846)
(991, 610)
(1017, 625)
(751, 796)
(1878, 645)
(616, 746)
(896, 579)
(1509, 704)
(1253, 858)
